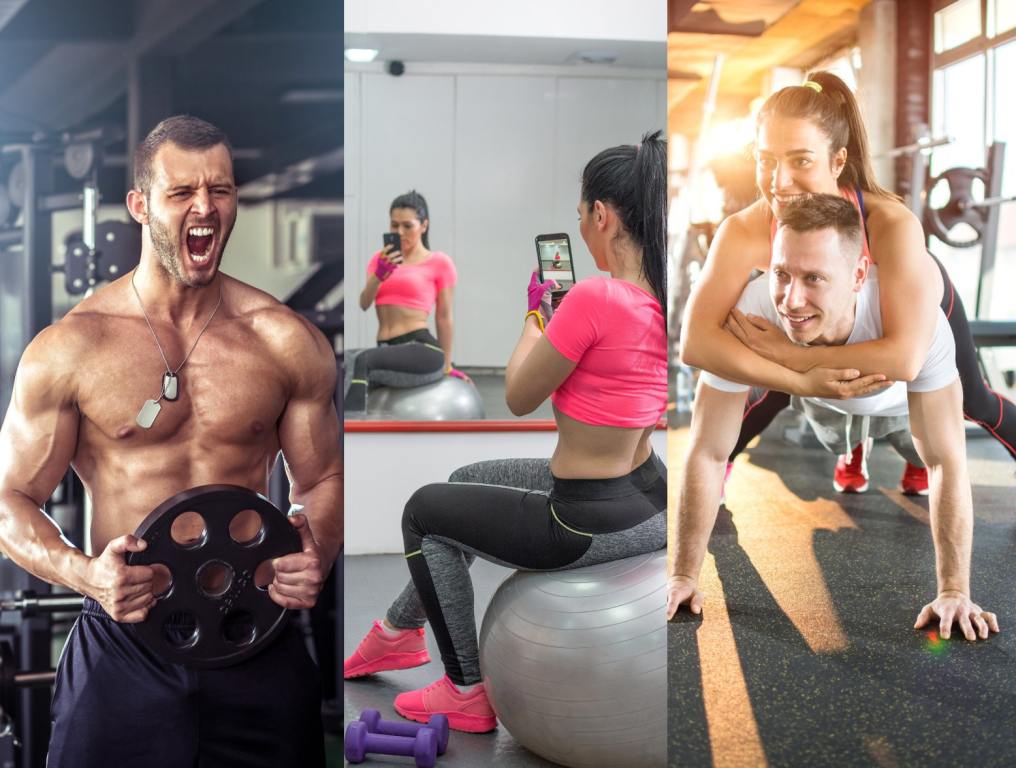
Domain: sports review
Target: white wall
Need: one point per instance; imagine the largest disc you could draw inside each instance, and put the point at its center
(383, 469)
(498, 151)
(632, 20)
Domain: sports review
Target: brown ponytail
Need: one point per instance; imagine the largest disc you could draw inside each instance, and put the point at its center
(835, 111)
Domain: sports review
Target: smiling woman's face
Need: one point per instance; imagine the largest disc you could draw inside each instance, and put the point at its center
(793, 158)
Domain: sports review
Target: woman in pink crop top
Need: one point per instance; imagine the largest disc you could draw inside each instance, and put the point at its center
(405, 286)
(602, 496)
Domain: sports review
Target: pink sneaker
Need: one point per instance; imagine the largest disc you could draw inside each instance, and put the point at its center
(379, 651)
(470, 712)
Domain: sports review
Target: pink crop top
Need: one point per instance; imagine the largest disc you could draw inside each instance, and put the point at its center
(415, 285)
(615, 332)
(853, 195)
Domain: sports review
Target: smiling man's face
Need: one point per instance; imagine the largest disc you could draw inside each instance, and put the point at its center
(814, 285)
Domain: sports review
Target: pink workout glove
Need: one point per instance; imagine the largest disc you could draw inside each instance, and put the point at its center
(539, 297)
(384, 268)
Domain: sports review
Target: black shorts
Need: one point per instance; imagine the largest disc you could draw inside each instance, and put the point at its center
(117, 704)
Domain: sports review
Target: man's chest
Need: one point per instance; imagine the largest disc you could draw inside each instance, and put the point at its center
(226, 392)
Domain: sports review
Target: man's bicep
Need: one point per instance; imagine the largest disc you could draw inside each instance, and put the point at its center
(309, 438)
(716, 421)
(936, 423)
(40, 432)
(309, 428)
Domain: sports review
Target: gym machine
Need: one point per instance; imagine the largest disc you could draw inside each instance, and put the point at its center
(962, 207)
(24, 735)
(39, 177)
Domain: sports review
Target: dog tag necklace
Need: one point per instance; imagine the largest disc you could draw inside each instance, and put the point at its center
(170, 382)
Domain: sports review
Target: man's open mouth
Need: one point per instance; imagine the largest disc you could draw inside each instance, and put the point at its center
(199, 242)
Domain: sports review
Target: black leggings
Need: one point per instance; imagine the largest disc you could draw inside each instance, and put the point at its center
(397, 362)
(981, 404)
(576, 523)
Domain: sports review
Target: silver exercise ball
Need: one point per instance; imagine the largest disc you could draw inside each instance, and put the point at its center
(448, 399)
(575, 662)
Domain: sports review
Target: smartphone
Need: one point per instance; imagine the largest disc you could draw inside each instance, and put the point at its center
(554, 257)
(393, 239)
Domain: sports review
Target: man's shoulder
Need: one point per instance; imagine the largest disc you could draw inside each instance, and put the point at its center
(868, 322)
(73, 335)
(49, 367)
(755, 296)
(287, 333)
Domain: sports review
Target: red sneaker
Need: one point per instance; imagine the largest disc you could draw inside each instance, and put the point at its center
(851, 474)
(470, 712)
(381, 651)
(914, 481)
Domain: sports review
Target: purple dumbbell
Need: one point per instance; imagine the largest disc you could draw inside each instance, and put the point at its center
(360, 741)
(437, 723)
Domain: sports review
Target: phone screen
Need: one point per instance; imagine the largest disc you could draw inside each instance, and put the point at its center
(554, 255)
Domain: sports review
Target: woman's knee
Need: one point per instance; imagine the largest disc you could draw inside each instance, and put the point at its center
(477, 472)
(416, 513)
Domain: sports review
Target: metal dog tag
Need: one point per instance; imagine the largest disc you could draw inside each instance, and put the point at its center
(169, 386)
(147, 414)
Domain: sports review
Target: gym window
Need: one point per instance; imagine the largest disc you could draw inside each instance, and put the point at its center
(973, 61)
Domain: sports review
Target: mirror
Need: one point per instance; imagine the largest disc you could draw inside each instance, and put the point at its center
(492, 127)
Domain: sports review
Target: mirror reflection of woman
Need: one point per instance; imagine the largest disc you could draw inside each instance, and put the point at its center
(405, 284)
(601, 357)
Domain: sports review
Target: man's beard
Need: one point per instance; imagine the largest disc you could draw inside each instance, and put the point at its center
(167, 248)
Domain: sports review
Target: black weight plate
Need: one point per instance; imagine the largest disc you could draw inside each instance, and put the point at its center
(213, 615)
(958, 209)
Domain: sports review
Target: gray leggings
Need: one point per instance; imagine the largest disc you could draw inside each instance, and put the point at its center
(839, 432)
(515, 513)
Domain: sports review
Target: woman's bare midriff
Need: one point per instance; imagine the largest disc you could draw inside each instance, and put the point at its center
(589, 452)
(394, 321)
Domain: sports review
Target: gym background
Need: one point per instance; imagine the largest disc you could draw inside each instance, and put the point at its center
(80, 85)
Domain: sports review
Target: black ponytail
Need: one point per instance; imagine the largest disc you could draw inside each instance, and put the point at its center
(633, 179)
(415, 202)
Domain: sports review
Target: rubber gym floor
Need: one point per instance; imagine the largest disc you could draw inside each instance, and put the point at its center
(805, 654)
